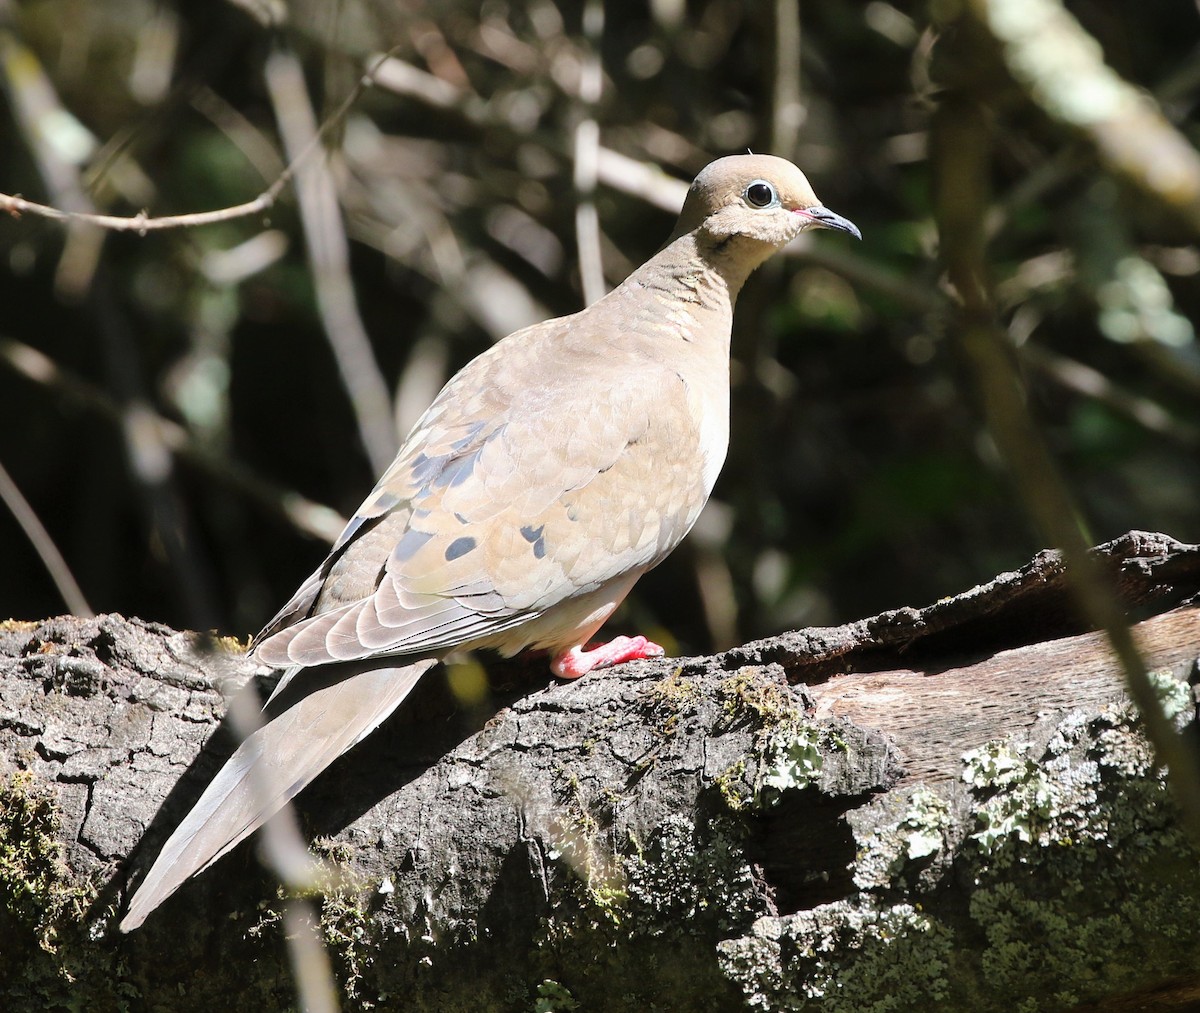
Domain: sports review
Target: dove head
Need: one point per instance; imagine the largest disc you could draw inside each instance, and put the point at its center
(759, 198)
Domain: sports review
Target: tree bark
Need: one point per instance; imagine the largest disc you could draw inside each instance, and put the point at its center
(950, 807)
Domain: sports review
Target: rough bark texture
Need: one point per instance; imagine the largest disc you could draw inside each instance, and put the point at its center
(948, 807)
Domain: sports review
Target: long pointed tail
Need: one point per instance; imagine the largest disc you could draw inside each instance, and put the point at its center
(268, 769)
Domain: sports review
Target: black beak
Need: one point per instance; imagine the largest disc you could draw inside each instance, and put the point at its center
(831, 220)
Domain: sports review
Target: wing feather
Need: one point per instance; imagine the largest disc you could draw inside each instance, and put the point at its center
(505, 501)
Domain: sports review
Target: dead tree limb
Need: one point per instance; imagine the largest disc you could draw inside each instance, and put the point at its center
(950, 807)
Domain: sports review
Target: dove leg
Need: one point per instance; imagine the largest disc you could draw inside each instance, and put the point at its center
(576, 662)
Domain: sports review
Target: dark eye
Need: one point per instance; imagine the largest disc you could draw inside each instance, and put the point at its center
(760, 194)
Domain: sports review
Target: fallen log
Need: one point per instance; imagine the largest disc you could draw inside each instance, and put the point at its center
(950, 807)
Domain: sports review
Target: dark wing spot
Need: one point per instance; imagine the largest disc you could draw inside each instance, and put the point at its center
(459, 547)
(534, 537)
(409, 545)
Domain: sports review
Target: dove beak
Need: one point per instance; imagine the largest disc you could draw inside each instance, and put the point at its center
(827, 219)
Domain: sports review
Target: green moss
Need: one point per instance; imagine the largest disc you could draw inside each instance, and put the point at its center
(670, 699)
(857, 959)
(1175, 695)
(1083, 886)
(736, 792)
(793, 760)
(38, 891)
(1116, 906)
(348, 935)
(893, 849)
(577, 838)
(1017, 797)
(787, 750)
(748, 696)
(924, 824)
(682, 889)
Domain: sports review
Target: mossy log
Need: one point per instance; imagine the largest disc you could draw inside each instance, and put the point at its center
(940, 808)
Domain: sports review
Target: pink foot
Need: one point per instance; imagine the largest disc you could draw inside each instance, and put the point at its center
(576, 662)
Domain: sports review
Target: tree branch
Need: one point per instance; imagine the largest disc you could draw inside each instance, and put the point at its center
(694, 833)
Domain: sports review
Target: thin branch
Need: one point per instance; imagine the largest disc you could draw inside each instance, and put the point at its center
(35, 103)
(329, 255)
(961, 152)
(787, 108)
(143, 222)
(644, 180)
(1061, 69)
(1089, 382)
(43, 544)
(586, 149)
(313, 519)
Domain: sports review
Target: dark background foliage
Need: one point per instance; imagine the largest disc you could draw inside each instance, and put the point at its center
(860, 475)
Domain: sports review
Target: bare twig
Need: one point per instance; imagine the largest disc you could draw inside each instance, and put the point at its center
(44, 545)
(143, 222)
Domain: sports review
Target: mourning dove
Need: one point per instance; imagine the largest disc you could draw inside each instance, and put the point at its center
(544, 480)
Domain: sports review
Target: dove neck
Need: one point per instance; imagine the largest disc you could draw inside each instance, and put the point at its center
(705, 268)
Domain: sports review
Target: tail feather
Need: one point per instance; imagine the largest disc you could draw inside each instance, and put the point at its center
(268, 769)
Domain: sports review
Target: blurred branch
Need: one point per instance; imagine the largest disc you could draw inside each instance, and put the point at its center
(1083, 379)
(142, 222)
(787, 109)
(1062, 70)
(283, 850)
(586, 154)
(961, 156)
(254, 145)
(402, 78)
(643, 180)
(639, 179)
(44, 545)
(329, 254)
(312, 970)
(313, 519)
(59, 144)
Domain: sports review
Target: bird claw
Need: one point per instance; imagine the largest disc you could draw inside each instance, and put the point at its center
(576, 662)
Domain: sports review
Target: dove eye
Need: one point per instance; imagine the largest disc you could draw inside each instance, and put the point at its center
(760, 194)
